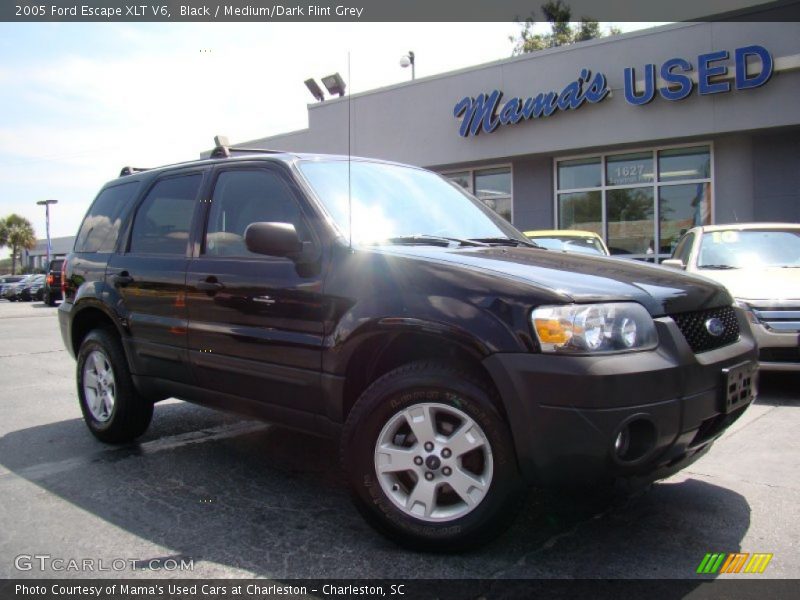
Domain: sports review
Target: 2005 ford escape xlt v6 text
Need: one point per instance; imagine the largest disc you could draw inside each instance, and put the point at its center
(380, 304)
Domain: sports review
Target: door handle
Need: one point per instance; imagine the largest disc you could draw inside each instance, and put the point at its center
(123, 279)
(209, 285)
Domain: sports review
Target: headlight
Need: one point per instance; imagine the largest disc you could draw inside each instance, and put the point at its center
(594, 328)
(748, 312)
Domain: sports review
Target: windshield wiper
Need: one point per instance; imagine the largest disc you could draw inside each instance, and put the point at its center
(719, 267)
(423, 239)
(501, 241)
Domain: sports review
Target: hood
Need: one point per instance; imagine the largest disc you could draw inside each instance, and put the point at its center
(581, 278)
(773, 283)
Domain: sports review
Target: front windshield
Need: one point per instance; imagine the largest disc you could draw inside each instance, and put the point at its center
(570, 244)
(392, 201)
(734, 249)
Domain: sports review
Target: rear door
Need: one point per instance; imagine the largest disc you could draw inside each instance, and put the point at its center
(255, 321)
(149, 275)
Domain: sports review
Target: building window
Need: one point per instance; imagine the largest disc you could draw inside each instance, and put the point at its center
(491, 186)
(640, 202)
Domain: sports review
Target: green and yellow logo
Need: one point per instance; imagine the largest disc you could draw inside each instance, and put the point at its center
(736, 562)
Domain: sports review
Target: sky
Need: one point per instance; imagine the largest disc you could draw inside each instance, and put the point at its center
(78, 101)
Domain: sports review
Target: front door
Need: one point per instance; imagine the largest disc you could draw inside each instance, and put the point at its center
(255, 321)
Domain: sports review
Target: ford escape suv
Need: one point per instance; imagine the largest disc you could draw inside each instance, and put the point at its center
(382, 305)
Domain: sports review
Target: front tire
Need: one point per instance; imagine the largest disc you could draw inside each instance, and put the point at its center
(112, 408)
(430, 460)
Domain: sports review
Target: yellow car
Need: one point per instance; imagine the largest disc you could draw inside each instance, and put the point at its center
(569, 240)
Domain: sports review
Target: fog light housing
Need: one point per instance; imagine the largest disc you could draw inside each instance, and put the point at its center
(635, 440)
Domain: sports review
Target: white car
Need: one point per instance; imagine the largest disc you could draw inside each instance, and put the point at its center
(759, 263)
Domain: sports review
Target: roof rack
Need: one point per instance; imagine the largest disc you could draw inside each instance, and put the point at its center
(223, 149)
(131, 170)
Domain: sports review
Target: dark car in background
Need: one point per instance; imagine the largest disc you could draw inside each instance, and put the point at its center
(52, 288)
(33, 289)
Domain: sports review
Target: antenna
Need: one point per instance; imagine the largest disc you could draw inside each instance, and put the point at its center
(349, 153)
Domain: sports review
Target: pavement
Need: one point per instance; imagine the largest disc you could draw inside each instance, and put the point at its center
(240, 498)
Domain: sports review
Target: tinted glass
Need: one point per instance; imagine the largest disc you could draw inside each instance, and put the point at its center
(394, 201)
(100, 228)
(629, 169)
(162, 223)
(244, 197)
(581, 210)
(630, 221)
(682, 207)
(580, 173)
(684, 163)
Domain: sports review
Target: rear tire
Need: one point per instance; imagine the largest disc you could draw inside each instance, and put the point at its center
(450, 482)
(112, 408)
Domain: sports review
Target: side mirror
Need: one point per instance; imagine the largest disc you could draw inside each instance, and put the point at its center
(675, 263)
(272, 239)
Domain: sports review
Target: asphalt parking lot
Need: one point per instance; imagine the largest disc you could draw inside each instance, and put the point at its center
(243, 499)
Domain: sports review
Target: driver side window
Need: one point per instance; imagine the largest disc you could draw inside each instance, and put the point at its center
(242, 197)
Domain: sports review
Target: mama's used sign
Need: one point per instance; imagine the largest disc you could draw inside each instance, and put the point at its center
(487, 112)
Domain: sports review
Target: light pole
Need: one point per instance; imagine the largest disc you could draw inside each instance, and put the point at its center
(407, 60)
(46, 204)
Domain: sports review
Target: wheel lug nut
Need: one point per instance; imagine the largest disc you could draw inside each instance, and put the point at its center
(417, 460)
(429, 446)
(429, 476)
(446, 453)
(447, 471)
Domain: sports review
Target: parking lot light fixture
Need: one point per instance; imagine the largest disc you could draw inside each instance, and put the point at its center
(408, 60)
(46, 204)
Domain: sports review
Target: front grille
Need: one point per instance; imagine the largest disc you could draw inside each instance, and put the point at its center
(693, 328)
(780, 318)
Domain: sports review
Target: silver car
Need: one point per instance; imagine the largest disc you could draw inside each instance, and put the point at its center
(759, 263)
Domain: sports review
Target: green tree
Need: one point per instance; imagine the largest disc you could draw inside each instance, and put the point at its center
(562, 31)
(17, 233)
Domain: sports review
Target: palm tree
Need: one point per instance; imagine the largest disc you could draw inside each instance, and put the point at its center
(17, 233)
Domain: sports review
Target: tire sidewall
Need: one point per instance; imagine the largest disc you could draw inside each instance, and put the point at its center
(397, 395)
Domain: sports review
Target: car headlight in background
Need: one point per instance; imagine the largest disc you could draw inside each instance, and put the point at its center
(748, 312)
(594, 328)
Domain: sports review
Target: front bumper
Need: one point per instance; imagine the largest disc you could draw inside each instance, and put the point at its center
(777, 351)
(566, 412)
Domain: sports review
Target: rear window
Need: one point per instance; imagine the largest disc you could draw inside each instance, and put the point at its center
(55, 265)
(100, 228)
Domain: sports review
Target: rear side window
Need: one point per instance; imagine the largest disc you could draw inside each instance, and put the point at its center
(162, 223)
(100, 228)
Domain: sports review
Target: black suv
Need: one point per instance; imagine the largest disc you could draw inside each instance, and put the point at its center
(381, 304)
(52, 288)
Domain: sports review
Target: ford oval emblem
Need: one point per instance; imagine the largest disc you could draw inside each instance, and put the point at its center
(715, 327)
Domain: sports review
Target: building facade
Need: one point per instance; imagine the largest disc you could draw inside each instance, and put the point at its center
(637, 137)
(36, 259)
